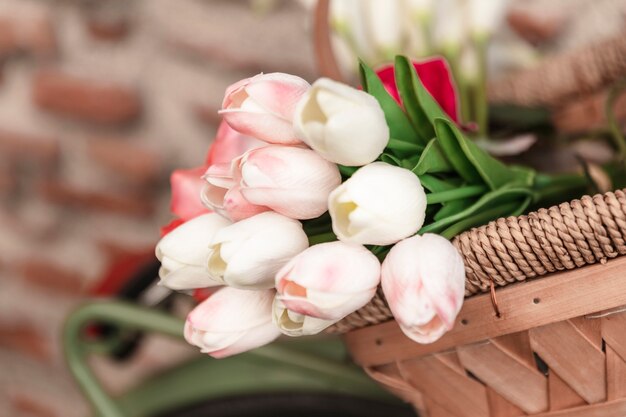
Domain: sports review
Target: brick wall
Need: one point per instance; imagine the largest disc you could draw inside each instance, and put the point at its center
(99, 101)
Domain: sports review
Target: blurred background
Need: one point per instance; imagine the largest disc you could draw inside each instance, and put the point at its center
(101, 99)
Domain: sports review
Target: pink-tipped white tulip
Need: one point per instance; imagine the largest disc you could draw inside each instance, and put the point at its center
(294, 182)
(232, 321)
(184, 251)
(329, 281)
(344, 125)
(423, 279)
(263, 106)
(229, 144)
(294, 324)
(247, 254)
(379, 205)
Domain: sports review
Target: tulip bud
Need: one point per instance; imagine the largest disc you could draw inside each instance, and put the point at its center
(341, 123)
(184, 251)
(379, 205)
(263, 106)
(384, 19)
(186, 188)
(329, 280)
(229, 144)
(295, 324)
(222, 194)
(423, 279)
(294, 182)
(485, 16)
(232, 321)
(247, 254)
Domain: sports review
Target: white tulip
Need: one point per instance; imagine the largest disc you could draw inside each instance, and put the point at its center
(423, 279)
(329, 280)
(247, 254)
(485, 16)
(341, 123)
(295, 324)
(450, 25)
(379, 205)
(232, 321)
(383, 19)
(183, 253)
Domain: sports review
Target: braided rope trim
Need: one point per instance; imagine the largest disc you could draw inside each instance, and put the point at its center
(512, 249)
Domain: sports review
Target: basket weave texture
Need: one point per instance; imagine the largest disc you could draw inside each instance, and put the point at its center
(559, 347)
(513, 249)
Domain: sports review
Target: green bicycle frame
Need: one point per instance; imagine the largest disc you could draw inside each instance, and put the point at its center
(319, 367)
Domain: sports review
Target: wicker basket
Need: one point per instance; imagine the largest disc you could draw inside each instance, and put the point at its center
(554, 346)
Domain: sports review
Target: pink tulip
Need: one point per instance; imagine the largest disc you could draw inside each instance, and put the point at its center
(186, 187)
(436, 76)
(229, 144)
(423, 279)
(232, 321)
(294, 182)
(263, 106)
(328, 281)
(187, 184)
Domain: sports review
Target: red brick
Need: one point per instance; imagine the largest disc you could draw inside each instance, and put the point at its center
(8, 180)
(25, 403)
(133, 163)
(24, 146)
(9, 44)
(88, 100)
(34, 36)
(49, 276)
(122, 202)
(107, 29)
(25, 338)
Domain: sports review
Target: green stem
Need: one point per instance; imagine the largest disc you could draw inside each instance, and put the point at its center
(614, 127)
(456, 194)
(400, 145)
(322, 238)
(481, 105)
(479, 219)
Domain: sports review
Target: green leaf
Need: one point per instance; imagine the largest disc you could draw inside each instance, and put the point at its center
(450, 145)
(434, 184)
(405, 78)
(390, 159)
(347, 171)
(429, 106)
(432, 160)
(399, 125)
(485, 216)
(474, 164)
(487, 202)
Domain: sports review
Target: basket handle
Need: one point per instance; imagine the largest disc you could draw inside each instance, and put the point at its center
(326, 63)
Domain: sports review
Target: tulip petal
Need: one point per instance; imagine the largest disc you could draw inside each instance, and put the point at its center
(256, 337)
(186, 187)
(188, 243)
(229, 144)
(278, 93)
(186, 277)
(267, 127)
(237, 207)
(296, 325)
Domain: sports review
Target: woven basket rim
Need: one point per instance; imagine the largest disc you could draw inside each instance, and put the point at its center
(513, 249)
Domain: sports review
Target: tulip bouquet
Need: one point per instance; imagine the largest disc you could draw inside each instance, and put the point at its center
(310, 187)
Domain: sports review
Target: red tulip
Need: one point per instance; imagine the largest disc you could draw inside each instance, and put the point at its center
(436, 77)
